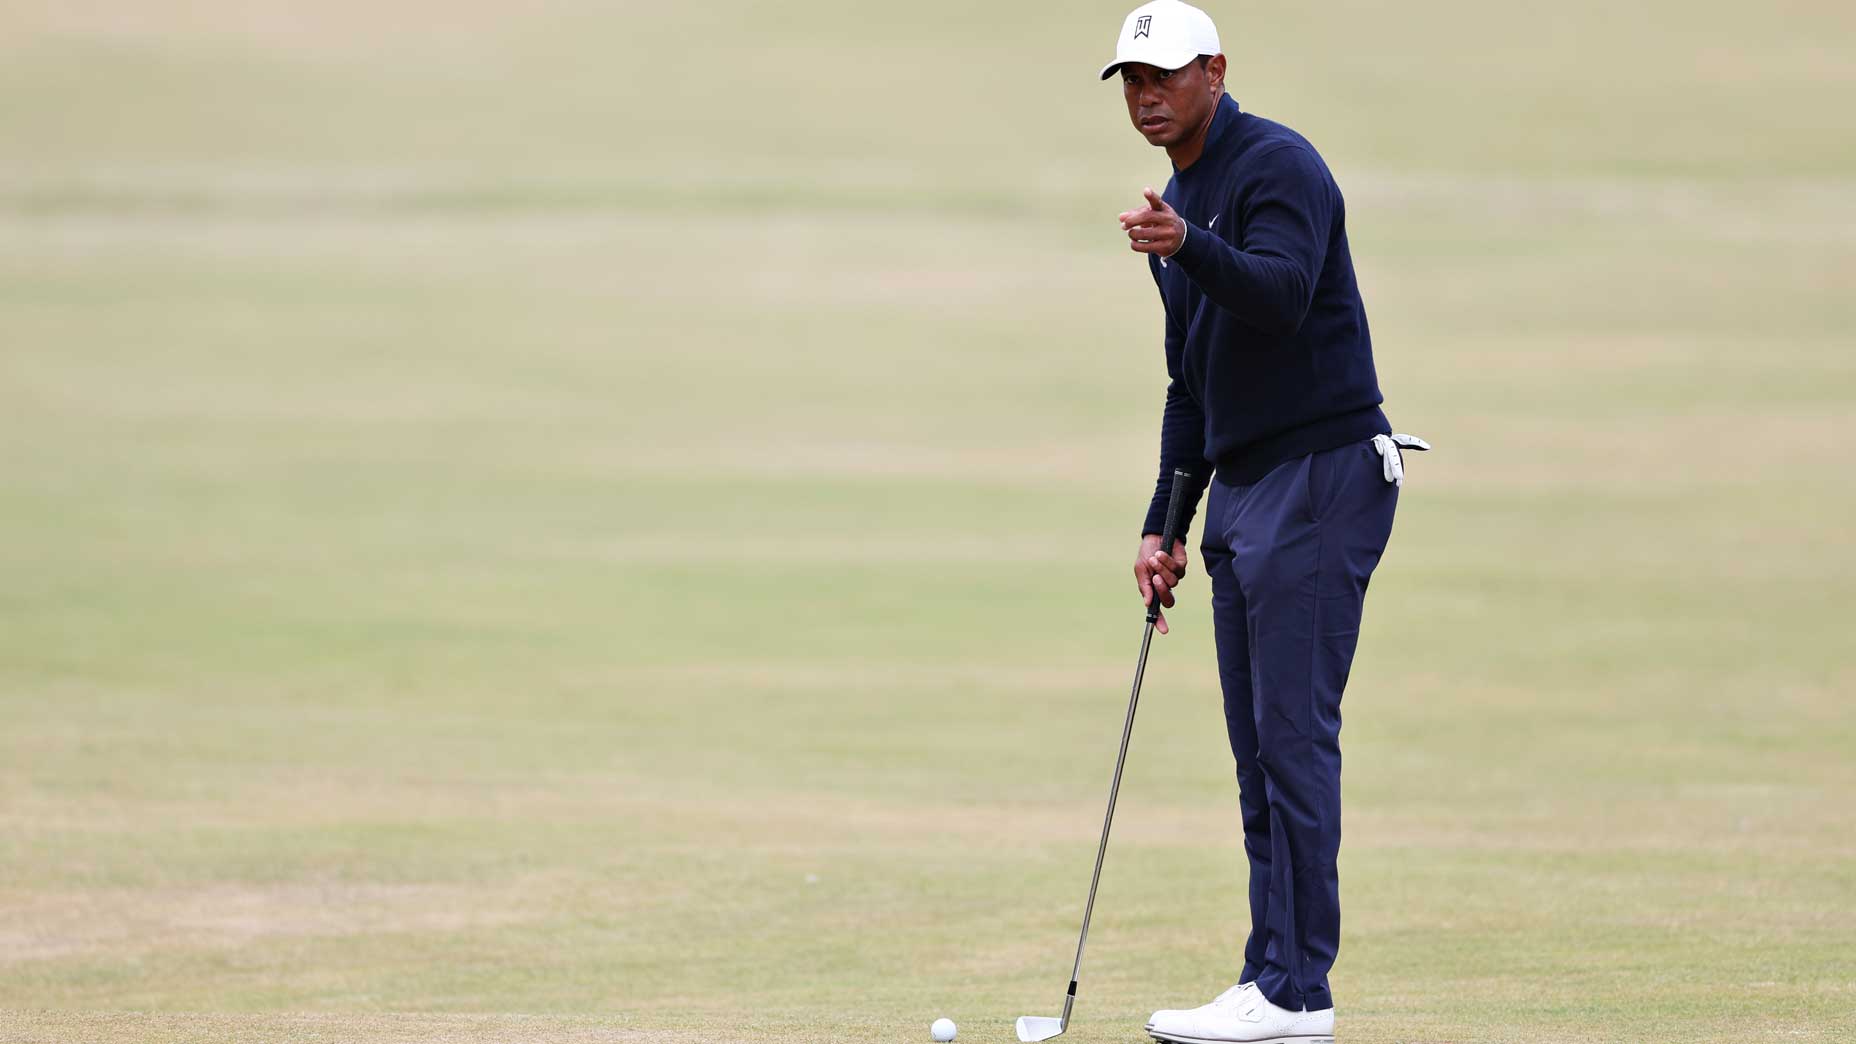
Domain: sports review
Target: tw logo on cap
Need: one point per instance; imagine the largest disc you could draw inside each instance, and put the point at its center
(1165, 34)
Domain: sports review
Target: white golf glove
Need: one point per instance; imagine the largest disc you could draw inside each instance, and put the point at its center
(1389, 446)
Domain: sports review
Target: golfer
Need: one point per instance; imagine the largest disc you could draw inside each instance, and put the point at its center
(1273, 402)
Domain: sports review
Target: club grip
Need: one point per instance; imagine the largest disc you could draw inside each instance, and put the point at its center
(1175, 505)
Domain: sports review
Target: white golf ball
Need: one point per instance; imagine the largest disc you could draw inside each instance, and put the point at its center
(943, 1029)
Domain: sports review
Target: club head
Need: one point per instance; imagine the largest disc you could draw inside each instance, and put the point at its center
(1038, 1027)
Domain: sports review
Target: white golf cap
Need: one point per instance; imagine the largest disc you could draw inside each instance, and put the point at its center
(1165, 34)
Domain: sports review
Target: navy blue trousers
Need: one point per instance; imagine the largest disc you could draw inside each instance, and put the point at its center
(1289, 557)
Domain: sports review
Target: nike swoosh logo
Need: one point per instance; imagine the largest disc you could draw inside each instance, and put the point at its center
(1213, 223)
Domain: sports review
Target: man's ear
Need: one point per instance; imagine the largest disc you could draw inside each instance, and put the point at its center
(1214, 71)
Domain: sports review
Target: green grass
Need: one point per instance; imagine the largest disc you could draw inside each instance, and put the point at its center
(512, 531)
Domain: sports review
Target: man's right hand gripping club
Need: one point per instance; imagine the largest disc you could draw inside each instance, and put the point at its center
(1157, 573)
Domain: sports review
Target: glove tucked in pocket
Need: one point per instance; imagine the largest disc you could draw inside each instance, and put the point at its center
(1389, 455)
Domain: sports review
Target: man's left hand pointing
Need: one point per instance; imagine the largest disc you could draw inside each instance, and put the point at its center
(1155, 228)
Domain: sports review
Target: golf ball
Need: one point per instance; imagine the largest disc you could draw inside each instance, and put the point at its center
(943, 1029)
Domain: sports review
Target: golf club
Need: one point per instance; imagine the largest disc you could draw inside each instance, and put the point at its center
(1043, 1027)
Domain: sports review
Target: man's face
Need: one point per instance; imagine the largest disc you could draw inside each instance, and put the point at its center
(1168, 105)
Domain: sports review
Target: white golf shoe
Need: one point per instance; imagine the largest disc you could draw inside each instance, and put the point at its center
(1242, 1015)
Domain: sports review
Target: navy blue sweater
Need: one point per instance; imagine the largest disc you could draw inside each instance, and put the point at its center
(1266, 339)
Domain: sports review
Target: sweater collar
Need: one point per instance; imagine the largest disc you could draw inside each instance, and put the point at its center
(1220, 134)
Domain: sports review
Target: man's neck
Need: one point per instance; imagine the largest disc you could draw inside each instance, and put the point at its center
(1187, 152)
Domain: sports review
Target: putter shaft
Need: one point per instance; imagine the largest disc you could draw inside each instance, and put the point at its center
(1038, 1028)
(1108, 818)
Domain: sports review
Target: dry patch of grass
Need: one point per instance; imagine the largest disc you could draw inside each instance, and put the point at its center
(42, 925)
(32, 1027)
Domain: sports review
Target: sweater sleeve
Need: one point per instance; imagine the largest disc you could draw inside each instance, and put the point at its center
(1182, 441)
(1268, 278)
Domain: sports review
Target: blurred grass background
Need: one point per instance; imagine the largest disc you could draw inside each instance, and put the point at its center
(611, 522)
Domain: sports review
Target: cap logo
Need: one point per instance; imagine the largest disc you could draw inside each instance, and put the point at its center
(1141, 25)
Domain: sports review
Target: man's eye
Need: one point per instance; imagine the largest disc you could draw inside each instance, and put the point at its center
(1166, 74)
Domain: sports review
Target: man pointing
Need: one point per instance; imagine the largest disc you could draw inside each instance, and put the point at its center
(1273, 402)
